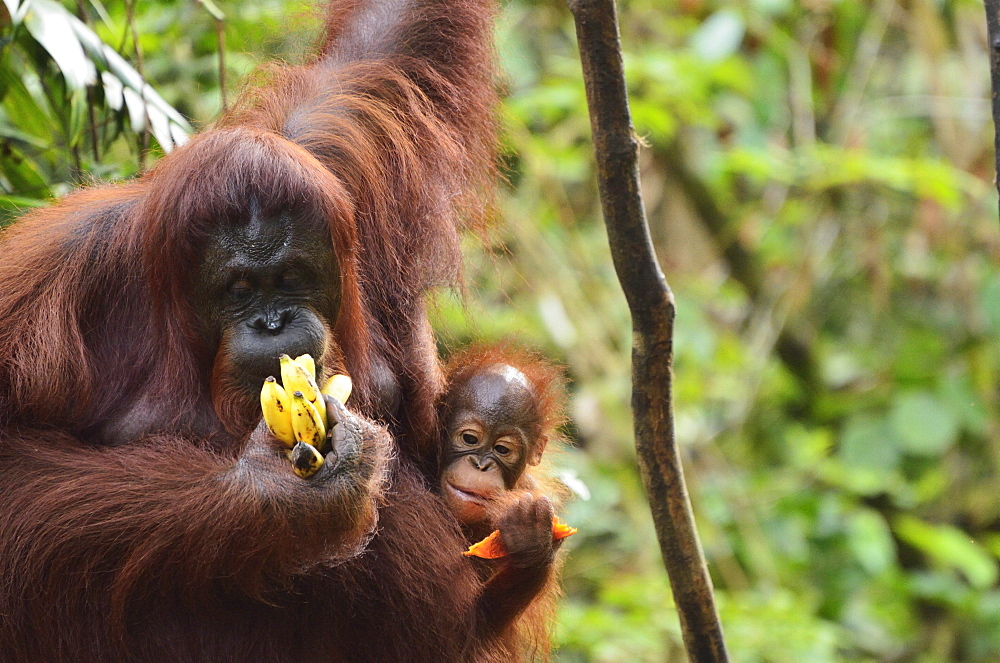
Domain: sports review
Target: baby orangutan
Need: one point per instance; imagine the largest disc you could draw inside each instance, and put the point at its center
(499, 412)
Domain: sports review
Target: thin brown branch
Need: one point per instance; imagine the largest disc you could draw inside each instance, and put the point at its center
(652, 308)
(993, 32)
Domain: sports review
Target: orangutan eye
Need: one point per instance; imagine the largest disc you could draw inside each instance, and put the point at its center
(291, 280)
(240, 289)
(501, 449)
(470, 439)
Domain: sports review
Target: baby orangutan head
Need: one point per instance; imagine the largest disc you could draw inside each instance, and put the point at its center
(493, 432)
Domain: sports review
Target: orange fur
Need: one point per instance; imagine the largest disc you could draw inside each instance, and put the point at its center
(137, 524)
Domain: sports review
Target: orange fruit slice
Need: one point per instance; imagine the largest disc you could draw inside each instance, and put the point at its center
(492, 546)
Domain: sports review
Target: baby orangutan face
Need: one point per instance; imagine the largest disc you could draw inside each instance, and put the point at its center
(493, 432)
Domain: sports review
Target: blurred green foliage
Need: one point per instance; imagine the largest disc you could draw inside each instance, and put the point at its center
(818, 180)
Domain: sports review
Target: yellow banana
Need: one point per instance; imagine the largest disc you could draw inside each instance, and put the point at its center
(306, 461)
(338, 386)
(276, 406)
(306, 422)
(307, 362)
(296, 378)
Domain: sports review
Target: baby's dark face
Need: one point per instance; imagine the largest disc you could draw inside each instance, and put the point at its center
(492, 430)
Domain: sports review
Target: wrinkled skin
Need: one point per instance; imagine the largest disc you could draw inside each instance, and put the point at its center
(266, 287)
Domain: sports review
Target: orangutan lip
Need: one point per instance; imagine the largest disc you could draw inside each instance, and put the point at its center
(466, 495)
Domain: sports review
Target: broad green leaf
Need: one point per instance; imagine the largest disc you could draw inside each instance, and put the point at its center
(19, 136)
(956, 392)
(924, 424)
(160, 126)
(29, 113)
(136, 109)
(950, 547)
(11, 207)
(867, 442)
(101, 11)
(168, 125)
(24, 176)
(48, 22)
(773, 7)
(919, 353)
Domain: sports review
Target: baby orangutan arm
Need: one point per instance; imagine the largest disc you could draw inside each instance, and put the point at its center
(525, 525)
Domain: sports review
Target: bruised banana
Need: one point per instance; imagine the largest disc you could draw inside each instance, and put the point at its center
(308, 425)
(277, 407)
(308, 363)
(277, 403)
(298, 375)
(306, 461)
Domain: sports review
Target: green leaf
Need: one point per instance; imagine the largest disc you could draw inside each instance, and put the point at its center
(18, 136)
(213, 9)
(77, 117)
(919, 354)
(956, 392)
(113, 94)
(145, 105)
(924, 424)
(24, 175)
(29, 113)
(871, 541)
(950, 547)
(12, 207)
(868, 443)
(48, 22)
(19, 203)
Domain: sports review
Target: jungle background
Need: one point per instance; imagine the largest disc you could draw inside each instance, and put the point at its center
(818, 181)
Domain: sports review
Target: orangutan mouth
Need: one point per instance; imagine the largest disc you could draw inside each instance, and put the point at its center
(467, 495)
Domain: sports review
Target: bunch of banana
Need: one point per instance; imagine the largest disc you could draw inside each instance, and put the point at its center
(295, 411)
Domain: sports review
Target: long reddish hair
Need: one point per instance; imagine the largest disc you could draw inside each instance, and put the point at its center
(136, 524)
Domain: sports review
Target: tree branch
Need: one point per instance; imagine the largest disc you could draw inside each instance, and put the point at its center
(652, 308)
(993, 32)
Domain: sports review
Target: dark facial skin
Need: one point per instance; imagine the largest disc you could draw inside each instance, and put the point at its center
(492, 436)
(265, 287)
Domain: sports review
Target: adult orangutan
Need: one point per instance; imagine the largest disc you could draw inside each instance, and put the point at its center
(147, 515)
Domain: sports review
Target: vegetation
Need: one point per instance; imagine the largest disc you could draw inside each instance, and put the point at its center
(818, 178)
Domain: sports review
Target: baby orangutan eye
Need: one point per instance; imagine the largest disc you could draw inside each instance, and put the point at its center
(470, 439)
(501, 449)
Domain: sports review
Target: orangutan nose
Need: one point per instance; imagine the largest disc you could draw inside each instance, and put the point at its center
(481, 464)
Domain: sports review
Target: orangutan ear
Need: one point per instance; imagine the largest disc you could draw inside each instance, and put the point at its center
(537, 449)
